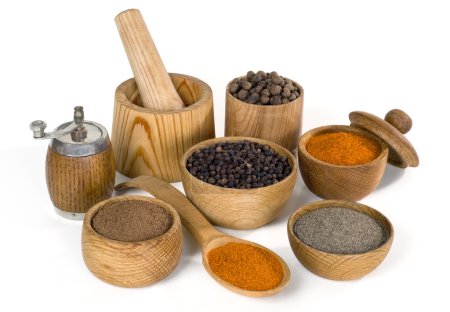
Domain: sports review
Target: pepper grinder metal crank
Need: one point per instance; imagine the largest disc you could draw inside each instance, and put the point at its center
(80, 167)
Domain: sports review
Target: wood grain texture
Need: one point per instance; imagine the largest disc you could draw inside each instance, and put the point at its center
(131, 264)
(148, 142)
(339, 266)
(281, 124)
(205, 234)
(75, 184)
(155, 86)
(239, 208)
(330, 181)
(401, 152)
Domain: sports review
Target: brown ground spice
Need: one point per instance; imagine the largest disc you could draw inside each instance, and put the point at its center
(343, 148)
(246, 266)
(131, 221)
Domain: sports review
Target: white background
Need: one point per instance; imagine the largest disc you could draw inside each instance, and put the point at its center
(348, 55)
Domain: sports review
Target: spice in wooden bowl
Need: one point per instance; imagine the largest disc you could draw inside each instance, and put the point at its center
(340, 230)
(240, 165)
(339, 240)
(131, 221)
(343, 148)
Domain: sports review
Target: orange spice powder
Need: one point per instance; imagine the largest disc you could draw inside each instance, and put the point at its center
(246, 266)
(343, 148)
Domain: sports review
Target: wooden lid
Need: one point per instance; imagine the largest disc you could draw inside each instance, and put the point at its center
(396, 123)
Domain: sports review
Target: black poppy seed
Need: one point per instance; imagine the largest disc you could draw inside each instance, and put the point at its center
(242, 169)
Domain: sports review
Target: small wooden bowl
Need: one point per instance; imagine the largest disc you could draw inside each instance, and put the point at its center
(152, 142)
(131, 264)
(258, 121)
(237, 208)
(331, 181)
(339, 266)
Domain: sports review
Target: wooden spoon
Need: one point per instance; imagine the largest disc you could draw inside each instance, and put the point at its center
(206, 235)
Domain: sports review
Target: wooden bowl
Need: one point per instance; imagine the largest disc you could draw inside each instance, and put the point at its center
(131, 264)
(339, 266)
(331, 181)
(238, 208)
(258, 121)
(152, 142)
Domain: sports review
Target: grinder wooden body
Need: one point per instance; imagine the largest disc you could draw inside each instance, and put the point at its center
(75, 184)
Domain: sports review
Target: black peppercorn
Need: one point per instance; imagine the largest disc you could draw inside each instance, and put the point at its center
(238, 165)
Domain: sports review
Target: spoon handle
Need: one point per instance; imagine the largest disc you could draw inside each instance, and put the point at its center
(191, 218)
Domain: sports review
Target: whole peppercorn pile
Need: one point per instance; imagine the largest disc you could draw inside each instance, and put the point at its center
(264, 88)
(240, 165)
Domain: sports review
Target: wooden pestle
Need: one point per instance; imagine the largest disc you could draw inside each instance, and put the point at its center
(155, 87)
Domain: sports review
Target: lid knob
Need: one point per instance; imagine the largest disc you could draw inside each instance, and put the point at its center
(38, 127)
(399, 119)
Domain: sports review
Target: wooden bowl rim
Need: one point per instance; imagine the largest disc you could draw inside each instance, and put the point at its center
(343, 204)
(277, 147)
(176, 222)
(228, 93)
(204, 99)
(221, 241)
(304, 138)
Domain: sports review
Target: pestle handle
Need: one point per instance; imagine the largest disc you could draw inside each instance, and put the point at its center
(156, 89)
(192, 219)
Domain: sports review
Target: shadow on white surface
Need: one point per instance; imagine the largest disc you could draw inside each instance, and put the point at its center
(391, 175)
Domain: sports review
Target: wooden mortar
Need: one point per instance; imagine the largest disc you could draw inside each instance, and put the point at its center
(281, 124)
(150, 142)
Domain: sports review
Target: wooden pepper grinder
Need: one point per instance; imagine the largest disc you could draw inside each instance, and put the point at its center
(155, 87)
(80, 168)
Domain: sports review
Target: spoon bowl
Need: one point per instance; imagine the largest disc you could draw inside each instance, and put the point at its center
(206, 235)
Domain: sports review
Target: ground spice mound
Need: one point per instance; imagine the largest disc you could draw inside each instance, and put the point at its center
(340, 231)
(246, 266)
(131, 221)
(343, 148)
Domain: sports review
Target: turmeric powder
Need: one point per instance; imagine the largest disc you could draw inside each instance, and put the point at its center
(246, 266)
(343, 148)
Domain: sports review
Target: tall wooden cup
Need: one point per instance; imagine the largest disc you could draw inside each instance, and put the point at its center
(281, 124)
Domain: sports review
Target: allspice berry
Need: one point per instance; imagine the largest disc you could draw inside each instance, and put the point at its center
(234, 87)
(246, 85)
(242, 95)
(263, 88)
(275, 89)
